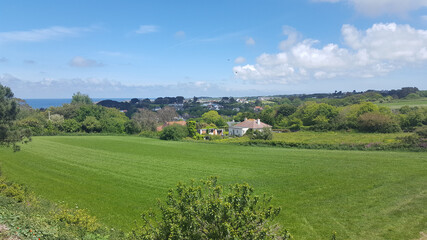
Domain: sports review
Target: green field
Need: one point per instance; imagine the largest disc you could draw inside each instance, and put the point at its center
(395, 104)
(310, 137)
(358, 194)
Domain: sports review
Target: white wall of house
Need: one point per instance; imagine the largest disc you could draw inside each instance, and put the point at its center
(237, 131)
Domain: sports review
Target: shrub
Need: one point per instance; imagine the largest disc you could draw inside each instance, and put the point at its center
(377, 122)
(174, 132)
(205, 211)
(264, 134)
(90, 124)
(70, 125)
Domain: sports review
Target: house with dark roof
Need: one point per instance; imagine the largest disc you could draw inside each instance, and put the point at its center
(241, 128)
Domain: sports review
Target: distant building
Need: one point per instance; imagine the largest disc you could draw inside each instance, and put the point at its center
(182, 123)
(211, 131)
(258, 109)
(241, 128)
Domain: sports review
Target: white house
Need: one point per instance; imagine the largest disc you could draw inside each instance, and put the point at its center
(241, 128)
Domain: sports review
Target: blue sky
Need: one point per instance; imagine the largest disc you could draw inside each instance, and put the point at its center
(51, 49)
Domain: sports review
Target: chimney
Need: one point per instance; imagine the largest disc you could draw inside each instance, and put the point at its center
(246, 119)
(258, 121)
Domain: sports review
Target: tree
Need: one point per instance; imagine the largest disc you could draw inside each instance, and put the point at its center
(377, 122)
(174, 132)
(146, 120)
(166, 114)
(206, 211)
(213, 117)
(192, 129)
(91, 124)
(79, 98)
(10, 135)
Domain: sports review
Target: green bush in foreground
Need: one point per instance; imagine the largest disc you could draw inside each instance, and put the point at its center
(174, 132)
(205, 211)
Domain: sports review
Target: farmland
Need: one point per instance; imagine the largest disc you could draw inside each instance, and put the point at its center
(360, 195)
(398, 103)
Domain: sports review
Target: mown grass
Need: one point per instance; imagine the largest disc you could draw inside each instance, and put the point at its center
(358, 194)
(398, 103)
(310, 137)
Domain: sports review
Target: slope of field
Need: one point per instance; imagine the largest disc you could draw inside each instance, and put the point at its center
(360, 195)
(395, 104)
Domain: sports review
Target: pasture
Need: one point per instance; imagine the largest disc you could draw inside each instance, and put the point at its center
(358, 194)
(398, 103)
(339, 137)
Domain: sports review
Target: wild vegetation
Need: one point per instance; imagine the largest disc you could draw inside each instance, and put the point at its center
(358, 194)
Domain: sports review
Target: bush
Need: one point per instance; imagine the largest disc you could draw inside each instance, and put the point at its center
(377, 122)
(174, 132)
(205, 211)
(264, 134)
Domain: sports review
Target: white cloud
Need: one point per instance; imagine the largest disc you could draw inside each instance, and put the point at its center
(373, 52)
(250, 41)
(379, 7)
(83, 62)
(240, 60)
(38, 35)
(293, 37)
(180, 35)
(144, 29)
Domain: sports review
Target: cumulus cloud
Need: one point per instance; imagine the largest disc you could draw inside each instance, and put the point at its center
(84, 62)
(250, 41)
(379, 7)
(240, 60)
(292, 37)
(373, 52)
(38, 35)
(144, 29)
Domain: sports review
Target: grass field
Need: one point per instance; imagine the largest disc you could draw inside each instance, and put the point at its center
(311, 137)
(358, 194)
(395, 104)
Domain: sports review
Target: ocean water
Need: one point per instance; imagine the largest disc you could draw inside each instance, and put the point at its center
(57, 102)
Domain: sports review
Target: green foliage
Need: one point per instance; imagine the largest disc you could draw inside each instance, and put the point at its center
(267, 115)
(412, 96)
(213, 117)
(174, 132)
(311, 112)
(192, 129)
(71, 125)
(91, 124)
(206, 211)
(285, 110)
(9, 134)
(79, 98)
(264, 134)
(377, 122)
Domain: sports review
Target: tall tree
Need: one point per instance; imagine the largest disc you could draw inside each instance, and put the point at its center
(166, 114)
(146, 120)
(10, 135)
(79, 98)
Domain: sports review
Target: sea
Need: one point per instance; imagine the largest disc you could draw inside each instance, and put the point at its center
(57, 102)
